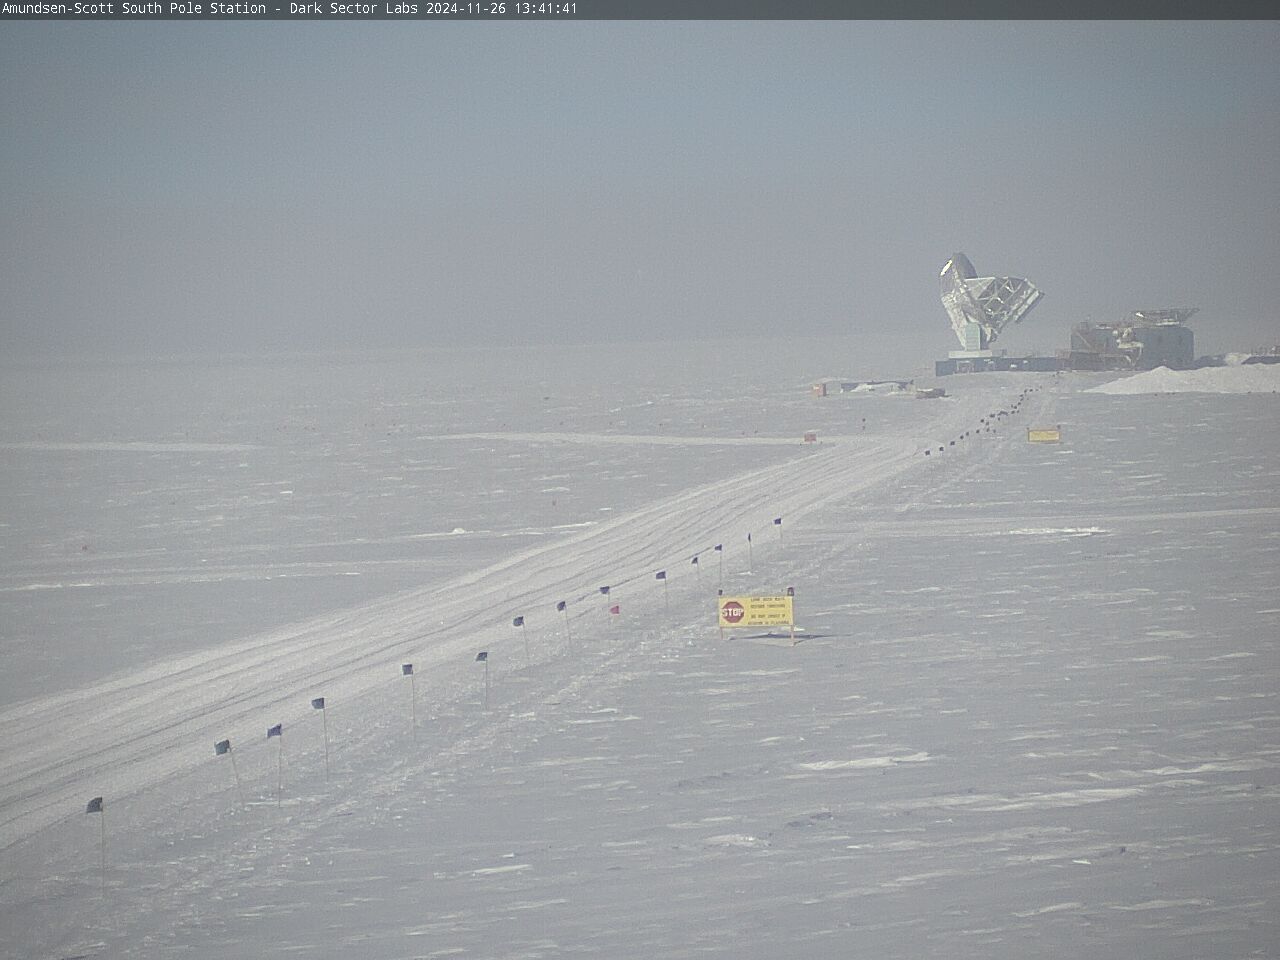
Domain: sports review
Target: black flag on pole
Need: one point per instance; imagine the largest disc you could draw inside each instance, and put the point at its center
(482, 656)
(94, 805)
(318, 703)
(660, 575)
(518, 622)
(276, 731)
(406, 669)
(560, 606)
(605, 591)
(221, 747)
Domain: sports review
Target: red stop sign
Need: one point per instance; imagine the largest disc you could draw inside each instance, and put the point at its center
(732, 611)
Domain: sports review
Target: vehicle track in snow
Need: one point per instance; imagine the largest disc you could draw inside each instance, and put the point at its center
(132, 731)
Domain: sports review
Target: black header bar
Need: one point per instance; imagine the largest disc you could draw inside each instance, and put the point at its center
(551, 10)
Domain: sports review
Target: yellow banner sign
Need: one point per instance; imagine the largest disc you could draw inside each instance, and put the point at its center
(1044, 434)
(756, 612)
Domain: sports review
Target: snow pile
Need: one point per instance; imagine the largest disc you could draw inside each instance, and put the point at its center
(1247, 378)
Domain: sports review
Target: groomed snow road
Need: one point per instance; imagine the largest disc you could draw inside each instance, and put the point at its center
(133, 731)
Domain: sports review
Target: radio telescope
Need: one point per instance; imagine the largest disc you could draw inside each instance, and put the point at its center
(981, 307)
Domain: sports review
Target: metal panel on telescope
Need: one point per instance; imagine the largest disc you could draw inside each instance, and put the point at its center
(981, 307)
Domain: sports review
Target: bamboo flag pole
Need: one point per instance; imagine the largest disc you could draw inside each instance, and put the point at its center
(224, 747)
(563, 607)
(95, 806)
(406, 670)
(318, 704)
(519, 622)
(278, 731)
(791, 592)
(102, 846)
(483, 657)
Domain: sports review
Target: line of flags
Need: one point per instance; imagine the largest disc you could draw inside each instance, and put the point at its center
(606, 590)
(276, 731)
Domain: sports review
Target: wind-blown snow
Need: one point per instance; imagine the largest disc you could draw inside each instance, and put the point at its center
(1033, 710)
(1246, 378)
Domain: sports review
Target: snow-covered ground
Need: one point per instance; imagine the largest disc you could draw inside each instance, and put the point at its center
(1033, 711)
(1240, 378)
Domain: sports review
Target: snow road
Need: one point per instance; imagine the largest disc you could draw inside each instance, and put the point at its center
(1032, 713)
(132, 731)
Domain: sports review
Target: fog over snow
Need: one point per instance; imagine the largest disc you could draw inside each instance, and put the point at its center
(1032, 709)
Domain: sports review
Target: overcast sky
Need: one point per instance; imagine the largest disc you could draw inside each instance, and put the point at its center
(233, 186)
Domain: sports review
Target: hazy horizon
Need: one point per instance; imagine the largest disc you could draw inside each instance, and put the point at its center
(274, 187)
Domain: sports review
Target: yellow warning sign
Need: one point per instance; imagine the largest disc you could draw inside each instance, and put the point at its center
(756, 611)
(1044, 434)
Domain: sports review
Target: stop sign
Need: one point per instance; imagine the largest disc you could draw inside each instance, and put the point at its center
(732, 611)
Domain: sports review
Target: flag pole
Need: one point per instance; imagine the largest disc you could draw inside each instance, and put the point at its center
(102, 846)
(568, 634)
(791, 592)
(318, 704)
(224, 746)
(278, 731)
(483, 657)
(519, 622)
(324, 722)
(95, 806)
(407, 670)
(235, 771)
(750, 561)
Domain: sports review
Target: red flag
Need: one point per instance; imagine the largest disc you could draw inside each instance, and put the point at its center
(614, 609)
